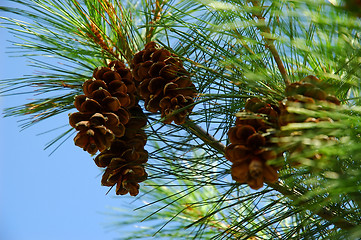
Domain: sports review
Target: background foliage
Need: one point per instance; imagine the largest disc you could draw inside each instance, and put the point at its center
(234, 50)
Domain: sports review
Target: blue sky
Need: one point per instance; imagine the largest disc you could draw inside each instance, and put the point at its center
(46, 197)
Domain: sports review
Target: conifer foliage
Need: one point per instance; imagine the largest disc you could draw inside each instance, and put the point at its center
(236, 119)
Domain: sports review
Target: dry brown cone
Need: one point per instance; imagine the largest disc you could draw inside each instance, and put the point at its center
(97, 130)
(115, 79)
(163, 83)
(103, 107)
(124, 160)
(308, 91)
(250, 148)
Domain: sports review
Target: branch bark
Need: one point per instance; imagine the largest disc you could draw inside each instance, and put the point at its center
(205, 136)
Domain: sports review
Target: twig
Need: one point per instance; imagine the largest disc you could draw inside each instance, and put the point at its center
(95, 33)
(98, 39)
(69, 85)
(205, 136)
(119, 25)
(157, 10)
(265, 32)
(294, 194)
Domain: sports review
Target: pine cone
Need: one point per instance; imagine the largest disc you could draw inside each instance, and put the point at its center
(307, 91)
(126, 172)
(116, 79)
(164, 84)
(134, 138)
(93, 138)
(101, 101)
(97, 131)
(124, 160)
(103, 107)
(250, 148)
(270, 111)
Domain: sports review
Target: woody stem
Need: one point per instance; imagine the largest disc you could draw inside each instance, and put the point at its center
(156, 17)
(204, 135)
(265, 32)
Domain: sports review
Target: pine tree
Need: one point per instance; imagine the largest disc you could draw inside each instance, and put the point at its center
(232, 119)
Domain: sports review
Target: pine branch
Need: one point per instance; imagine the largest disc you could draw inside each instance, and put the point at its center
(227, 67)
(293, 194)
(158, 7)
(204, 135)
(265, 32)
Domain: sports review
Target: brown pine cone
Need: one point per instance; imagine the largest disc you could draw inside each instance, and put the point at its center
(103, 107)
(164, 84)
(124, 160)
(125, 172)
(101, 101)
(307, 91)
(115, 79)
(124, 163)
(271, 111)
(126, 75)
(121, 145)
(250, 147)
(97, 131)
(113, 121)
(92, 135)
(134, 138)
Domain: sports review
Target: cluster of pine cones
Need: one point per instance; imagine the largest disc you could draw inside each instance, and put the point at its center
(251, 149)
(111, 121)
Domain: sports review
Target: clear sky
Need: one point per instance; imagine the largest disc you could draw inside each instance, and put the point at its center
(42, 197)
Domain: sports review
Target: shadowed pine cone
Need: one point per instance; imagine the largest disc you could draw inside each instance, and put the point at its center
(103, 107)
(270, 111)
(307, 91)
(124, 160)
(163, 83)
(250, 148)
